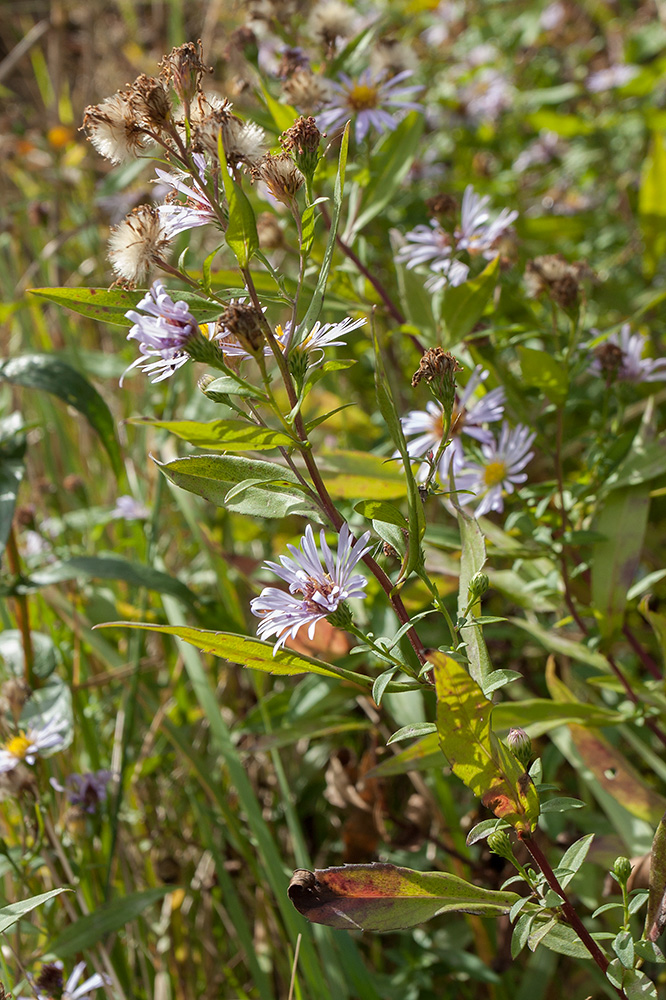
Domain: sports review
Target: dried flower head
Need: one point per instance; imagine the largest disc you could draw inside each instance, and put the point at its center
(150, 101)
(621, 357)
(138, 242)
(50, 979)
(281, 176)
(242, 321)
(302, 141)
(244, 142)
(292, 60)
(330, 20)
(306, 91)
(113, 128)
(208, 117)
(441, 206)
(553, 275)
(436, 364)
(184, 68)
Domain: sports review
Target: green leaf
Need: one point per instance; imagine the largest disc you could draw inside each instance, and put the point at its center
(248, 652)
(52, 701)
(354, 474)
(564, 940)
(645, 461)
(561, 804)
(381, 683)
(48, 373)
(12, 450)
(472, 561)
(110, 305)
(655, 919)
(382, 897)
(241, 233)
(230, 386)
(104, 920)
(109, 567)
(212, 476)
(539, 715)
(380, 511)
(308, 220)
(10, 915)
(651, 208)
(420, 756)
(43, 650)
(282, 114)
(657, 624)
(543, 371)
(623, 521)
(623, 946)
(415, 729)
(317, 300)
(475, 754)
(228, 435)
(464, 304)
(389, 169)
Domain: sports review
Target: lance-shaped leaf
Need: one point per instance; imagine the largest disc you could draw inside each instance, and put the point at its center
(230, 435)
(472, 561)
(655, 919)
(464, 304)
(10, 915)
(475, 754)
(111, 305)
(241, 234)
(381, 897)
(623, 522)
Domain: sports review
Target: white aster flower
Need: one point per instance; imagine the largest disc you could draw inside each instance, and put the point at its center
(323, 587)
(431, 245)
(469, 416)
(129, 509)
(321, 335)
(371, 100)
(139, 241)
(620, 357)
(542, 150)
(28, 745)
(49, 983)
(177, 217)
(162, 330)
(611, 77)
(476, 233)
(500, 471)
(487, 95)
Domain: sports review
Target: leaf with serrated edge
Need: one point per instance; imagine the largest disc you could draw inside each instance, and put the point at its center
(382, 897)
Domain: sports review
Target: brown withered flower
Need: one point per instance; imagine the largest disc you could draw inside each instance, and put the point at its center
(184, 68)
(553, 275)
(150, 100)
(245, 323)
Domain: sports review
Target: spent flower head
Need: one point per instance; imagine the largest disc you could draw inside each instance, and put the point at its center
(323, 588)
(620, 357)
(27, 745)
(113, 128)
(139, 242)
(500, 471)
(50, 983)
(372, 100)
(184, 68)
(88, 791)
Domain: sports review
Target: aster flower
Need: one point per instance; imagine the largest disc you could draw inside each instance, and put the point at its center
(139, 241)
(321, 335)
(487, 95)
(129, 509)
(468, 416)
(372, 100)
(541, 151)
(431, 245)
(323, 587)
(500, 471)
(610, 78)
(30, 744)
(85, 790)
(162, 333)
(476, 234)
(50, 983)
(620, 357)
(197, 209)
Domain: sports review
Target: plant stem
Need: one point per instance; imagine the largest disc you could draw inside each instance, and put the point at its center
(22, 612)
(568, 910)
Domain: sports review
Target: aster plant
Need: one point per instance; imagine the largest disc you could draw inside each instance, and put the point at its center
(281, 273)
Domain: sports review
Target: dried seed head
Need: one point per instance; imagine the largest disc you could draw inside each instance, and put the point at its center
(610, 358)
(138, 242)
(150, 101)
(302, 141)
(113, 128)
(331, 20)
(441, 206)
(208, 121)
(244, 142)
(436, 364)
(244, 322)
(306, 91)
(281, 176)
(50, 980)
(553, 275)
(292, 60)
(184, 68)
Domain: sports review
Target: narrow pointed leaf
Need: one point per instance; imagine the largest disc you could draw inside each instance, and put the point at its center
(10, 915)
(655, 919)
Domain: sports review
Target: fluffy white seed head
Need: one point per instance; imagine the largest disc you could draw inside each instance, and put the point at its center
(137, 242)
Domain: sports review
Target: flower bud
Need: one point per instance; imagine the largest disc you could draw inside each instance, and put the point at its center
(622, 869)
(499, 843)
(520, 745)
(218, 397)
(302, 141)
(478, 585)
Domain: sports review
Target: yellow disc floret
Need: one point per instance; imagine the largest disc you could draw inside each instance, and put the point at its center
(362, 97)
(18, 746)
(495, 473)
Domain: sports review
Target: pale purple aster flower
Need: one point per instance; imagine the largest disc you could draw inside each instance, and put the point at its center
(487, 95)
(50, 981)
(26, 747)
(469, 416)
(85, 790)
(162, 333)
(500, 471)
(553, 16)
(611, 77)
(371, 100)
(323, 587)
(197, 209)
(321, 335)
(620, 357)
(130, 509)
(431, 245)
(476, 233)
(445, 14)
(541, 151)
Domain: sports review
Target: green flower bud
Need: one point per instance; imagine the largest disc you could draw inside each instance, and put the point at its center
(622, 869)
(499, 843)
(478, 585)
(520, 746)
(218, 397)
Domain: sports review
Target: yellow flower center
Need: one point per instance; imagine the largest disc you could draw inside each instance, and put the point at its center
(18, 746)
(495, 473)
(362, 97)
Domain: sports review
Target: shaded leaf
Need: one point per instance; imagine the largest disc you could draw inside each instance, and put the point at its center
(12, 450)
(110, 305)
(111, 568)
(382, 897)
(623, 521)
(464, 304)
(43, 651)
(541, 370)
(472, 561)
(655, 919)
(389, 168)
(104, 920)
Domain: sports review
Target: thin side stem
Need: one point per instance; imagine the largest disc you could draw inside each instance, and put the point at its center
(22, 612)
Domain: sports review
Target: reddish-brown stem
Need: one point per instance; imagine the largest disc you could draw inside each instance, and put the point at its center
(570, 915)
(22, 611)
(643, 654)
(631, 694)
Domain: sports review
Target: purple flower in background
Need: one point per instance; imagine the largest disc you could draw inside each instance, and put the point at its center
(371, 100)
(50, 983)
(611, 77)
(468, 417)
(476, 233)
(431, 245)
(30, 744)
(500, 471)
(620, 357)
(129, 509)
(85, 790)
(162, 333)
(323, 587)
